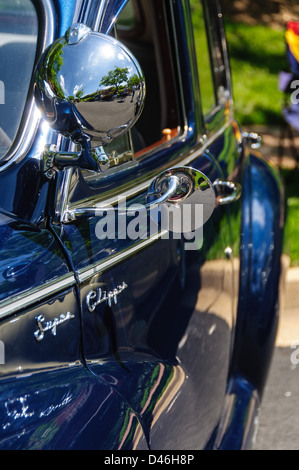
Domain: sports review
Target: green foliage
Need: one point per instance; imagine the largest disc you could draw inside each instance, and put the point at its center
(133, 81)
(53, 66)
(291, 240)
(203, 57)
(257, 55)
(115, 77)
(291, 228)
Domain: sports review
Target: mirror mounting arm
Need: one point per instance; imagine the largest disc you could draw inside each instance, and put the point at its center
(94, 159)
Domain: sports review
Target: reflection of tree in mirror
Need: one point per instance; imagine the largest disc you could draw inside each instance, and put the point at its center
(78, 96)
(115, 78)
(133, 81)
(53, 66)
(118, 80)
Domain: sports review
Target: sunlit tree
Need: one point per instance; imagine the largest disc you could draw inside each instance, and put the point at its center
(115, 78)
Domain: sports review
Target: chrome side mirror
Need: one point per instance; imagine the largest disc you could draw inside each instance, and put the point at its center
(89, 88)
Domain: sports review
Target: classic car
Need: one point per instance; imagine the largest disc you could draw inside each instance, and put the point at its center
(141, 231)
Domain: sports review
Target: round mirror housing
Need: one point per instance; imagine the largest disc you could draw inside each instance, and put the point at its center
(89, 87)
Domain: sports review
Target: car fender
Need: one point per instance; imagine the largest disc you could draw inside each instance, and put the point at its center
(260, 269)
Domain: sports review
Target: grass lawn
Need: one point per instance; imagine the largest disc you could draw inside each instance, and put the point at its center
(291, 233)
(257, 55)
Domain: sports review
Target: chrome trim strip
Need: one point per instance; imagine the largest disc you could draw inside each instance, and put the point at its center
(63, 191)
(93, 13)
(26, 299)
(85, 273)
(100, 15)
(135, 190)
(23, 143)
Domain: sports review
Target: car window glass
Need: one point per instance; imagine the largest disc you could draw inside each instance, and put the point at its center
(207, 88)
(143, 28)
(18, 39)
(215, 33)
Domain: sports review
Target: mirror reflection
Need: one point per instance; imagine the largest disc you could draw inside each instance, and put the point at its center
(99, 98)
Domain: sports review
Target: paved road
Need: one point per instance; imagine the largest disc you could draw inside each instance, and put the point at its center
(279, 415)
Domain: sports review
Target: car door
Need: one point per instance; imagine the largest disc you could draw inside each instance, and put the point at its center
(157, 307)
(49, 400)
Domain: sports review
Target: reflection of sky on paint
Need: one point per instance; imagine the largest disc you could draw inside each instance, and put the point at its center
(258, 213)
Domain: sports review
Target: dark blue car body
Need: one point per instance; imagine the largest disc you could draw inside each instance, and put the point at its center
(180, 358)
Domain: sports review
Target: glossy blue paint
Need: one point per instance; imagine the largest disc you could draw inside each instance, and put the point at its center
(261, 245)
(143, 337)
(145, 372)
(65, 15)
(30, 257)
(66, 409)
(238, 423)
(26, 352)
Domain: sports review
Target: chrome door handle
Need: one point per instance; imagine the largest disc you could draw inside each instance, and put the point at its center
(174, 187)
(182, 190)
(190, 201)
(227, 192)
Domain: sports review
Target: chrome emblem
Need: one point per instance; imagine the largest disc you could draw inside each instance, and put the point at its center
(96, 297)
(50, 325)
